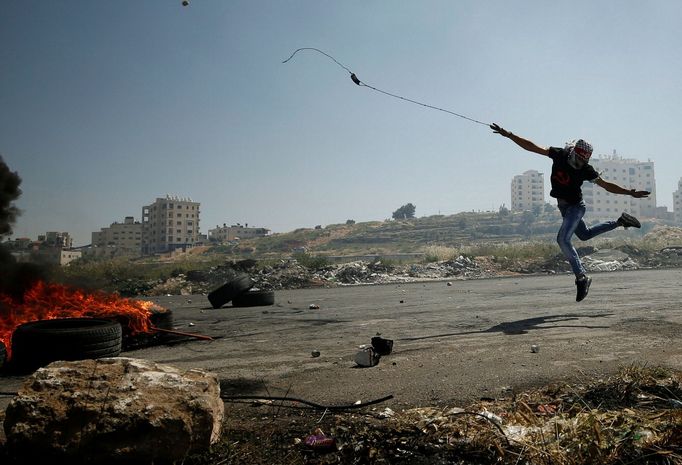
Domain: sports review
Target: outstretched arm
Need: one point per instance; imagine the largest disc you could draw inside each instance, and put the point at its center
(616, 189)
(520, 141)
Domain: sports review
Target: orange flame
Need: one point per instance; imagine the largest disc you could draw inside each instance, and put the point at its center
(47, 301)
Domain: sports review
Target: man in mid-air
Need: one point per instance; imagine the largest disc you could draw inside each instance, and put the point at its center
(570, 167)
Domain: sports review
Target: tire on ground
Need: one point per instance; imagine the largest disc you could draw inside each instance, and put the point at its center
(39, 343)
(229, 291)
(254, 299)
(3, 354)
(161, 319)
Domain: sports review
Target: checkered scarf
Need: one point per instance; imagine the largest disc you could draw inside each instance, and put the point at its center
(581, 149)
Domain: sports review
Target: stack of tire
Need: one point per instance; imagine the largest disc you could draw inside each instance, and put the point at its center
(39, 343)
(239, 291)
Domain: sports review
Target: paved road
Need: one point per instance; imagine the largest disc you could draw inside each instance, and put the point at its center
(453, 344)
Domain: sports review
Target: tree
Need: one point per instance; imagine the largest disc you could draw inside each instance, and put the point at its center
(350, 222)
(404, 212)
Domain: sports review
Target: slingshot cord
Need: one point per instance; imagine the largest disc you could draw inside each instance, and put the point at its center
(358, 82)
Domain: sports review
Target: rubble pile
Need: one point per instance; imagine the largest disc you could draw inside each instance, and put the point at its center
(292, 274)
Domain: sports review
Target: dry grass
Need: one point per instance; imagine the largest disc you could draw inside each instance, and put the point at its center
(634, 417)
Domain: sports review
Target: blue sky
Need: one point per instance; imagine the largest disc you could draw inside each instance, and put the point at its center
(105, 106)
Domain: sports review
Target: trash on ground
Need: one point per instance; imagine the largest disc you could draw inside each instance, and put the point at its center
(382, 346)
(367, 357)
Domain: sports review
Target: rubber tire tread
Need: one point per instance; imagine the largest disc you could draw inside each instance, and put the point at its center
(38, 343)
(229, 291)
(254, 299)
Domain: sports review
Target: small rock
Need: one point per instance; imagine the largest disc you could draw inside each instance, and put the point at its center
(315, 353)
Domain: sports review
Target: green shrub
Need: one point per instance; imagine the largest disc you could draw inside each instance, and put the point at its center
(311, 262)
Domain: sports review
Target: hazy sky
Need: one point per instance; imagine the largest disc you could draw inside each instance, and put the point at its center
(107, 105)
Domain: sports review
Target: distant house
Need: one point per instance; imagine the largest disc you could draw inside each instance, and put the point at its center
(168, 224)
(226, 233)
(118, 239)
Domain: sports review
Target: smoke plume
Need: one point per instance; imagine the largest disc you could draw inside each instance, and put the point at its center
(9, 192)
(15, 278)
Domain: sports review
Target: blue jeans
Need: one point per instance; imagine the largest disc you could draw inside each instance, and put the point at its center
(573, 224)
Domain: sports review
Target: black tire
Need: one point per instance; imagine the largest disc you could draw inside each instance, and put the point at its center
(3, 354)
(39, 343)
(254, 299)
(229, 291)
(158, 319)
(162, 320)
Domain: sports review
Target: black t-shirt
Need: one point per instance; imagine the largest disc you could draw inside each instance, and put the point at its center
(566, 180)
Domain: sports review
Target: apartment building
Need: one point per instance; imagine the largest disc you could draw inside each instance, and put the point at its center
(528, 191)
(56, 239)
(118, 239)
(677, 202)
(628, 173)
(226, 233)
(169, 223)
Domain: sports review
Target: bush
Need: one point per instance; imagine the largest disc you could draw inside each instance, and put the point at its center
(310, 262)
(440, 253)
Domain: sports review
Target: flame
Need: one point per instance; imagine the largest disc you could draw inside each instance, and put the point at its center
(47, 301)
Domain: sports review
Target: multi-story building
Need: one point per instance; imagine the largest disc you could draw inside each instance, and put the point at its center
(628, 173)
(56, 239)
(528, 191)
(169, 223)
(119, 238)
(677, 202)
(226, 233)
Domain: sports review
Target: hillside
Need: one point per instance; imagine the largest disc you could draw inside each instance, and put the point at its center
(415, 235)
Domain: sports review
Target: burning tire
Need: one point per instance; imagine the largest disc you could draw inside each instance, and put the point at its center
(38, 343)
(229, 291)
(158, 319)
(254, 299)
(3, 354)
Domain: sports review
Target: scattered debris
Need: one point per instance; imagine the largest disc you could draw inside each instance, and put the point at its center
(626, 419)
(320, 442)
(382, 346)
(367, 357)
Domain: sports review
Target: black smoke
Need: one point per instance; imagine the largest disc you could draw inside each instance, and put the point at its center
(9, 192)
(15, 278)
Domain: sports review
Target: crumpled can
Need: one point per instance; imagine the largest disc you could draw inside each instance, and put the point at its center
(320, 442)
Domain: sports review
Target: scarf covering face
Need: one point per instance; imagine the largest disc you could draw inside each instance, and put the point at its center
(579, 153)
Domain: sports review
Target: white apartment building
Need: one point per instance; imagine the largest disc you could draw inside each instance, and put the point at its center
(169, 223)
(226, 233)
(628, 173)
(528, 191)
(119, 238)
(677, 202)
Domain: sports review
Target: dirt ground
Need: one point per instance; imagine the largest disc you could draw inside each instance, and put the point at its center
(454, 343)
